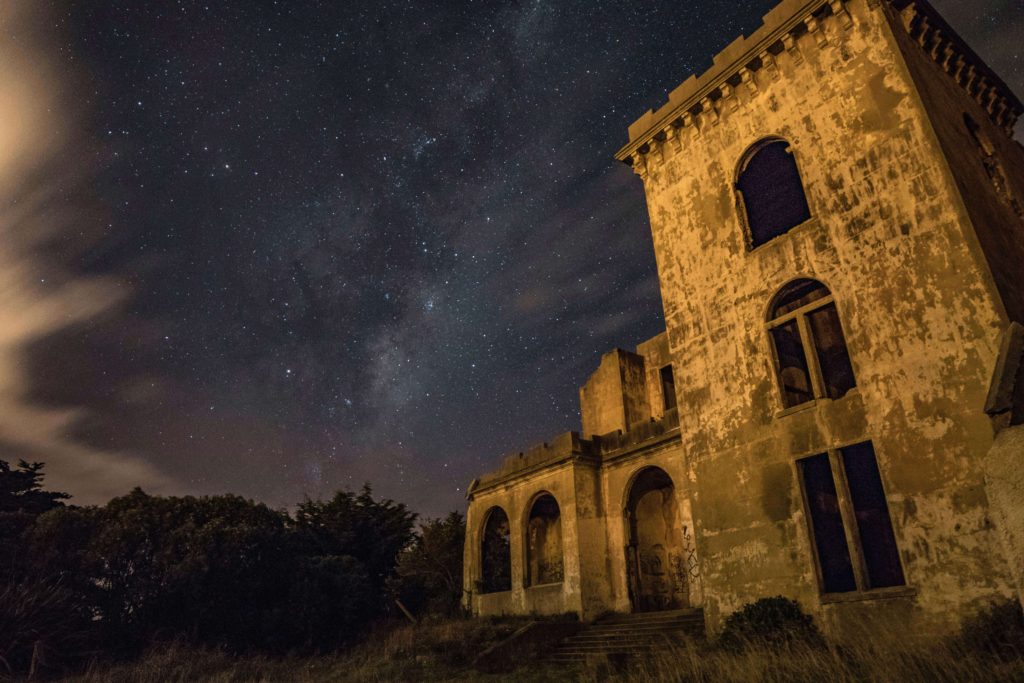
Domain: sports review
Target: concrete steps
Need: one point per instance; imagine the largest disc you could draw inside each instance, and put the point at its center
(631, 635)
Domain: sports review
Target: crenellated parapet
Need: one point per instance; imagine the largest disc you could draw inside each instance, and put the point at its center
(790, 30)
(947, 49)
(745, 66)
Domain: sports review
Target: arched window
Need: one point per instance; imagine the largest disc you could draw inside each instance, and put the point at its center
(544, 542)
(495, 555)
(771, 191)
(811, 359)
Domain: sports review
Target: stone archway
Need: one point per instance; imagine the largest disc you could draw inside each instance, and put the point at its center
(544, 562)
(655, 557)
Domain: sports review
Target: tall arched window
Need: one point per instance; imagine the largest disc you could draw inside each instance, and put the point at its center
(811, 359)
(495, 554)
(771, 191)
(544, 542)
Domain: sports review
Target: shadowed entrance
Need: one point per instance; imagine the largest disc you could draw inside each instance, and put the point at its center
(654, 553)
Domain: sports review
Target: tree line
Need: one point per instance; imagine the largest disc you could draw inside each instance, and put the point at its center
(219, 571)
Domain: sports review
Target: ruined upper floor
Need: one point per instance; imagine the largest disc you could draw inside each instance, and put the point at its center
(630, 399)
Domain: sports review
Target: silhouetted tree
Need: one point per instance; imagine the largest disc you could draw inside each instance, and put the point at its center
(39, 614)
(21, 489)
(356, 525)
(429, 572)
(208, 569)
(22, 499)
(219, 571)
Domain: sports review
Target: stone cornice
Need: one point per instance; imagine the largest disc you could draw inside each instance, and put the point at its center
(738, 63)
(569, 448)
(703, 99)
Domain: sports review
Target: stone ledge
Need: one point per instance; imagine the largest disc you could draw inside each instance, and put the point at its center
(569, 447)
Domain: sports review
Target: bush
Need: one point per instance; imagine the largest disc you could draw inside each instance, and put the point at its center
(997, 631)
(42, 625)
(220, 571)
(770, 622)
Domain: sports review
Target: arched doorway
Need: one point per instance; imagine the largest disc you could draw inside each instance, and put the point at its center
(655, 559)
(495, 553)
(544, 542)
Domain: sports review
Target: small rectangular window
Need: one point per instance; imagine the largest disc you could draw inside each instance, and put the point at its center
(874, 525)
(827, 525)
(668, 387)
(836, 369)
(792, 364)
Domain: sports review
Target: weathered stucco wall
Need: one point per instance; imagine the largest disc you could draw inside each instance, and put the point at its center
(1004, 467)
(593, 478)
(615, 396)
(916, 301)
(656, 356)
(991, 190)
(516, 499)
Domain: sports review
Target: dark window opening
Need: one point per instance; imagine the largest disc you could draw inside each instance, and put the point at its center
(772, 192)
(544, 543)
(874, 525)
(836, 369)
(495, 554)
(827, 525)
(668, 387)
(794, 375)
(804, 325)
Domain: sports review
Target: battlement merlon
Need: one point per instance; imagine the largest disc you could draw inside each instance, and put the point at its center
(741, 62)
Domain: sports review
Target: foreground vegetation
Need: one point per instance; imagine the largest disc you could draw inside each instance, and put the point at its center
(223, 589)
(106, 583)
(445, 651)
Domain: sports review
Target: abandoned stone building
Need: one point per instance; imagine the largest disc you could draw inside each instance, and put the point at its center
(832, 412)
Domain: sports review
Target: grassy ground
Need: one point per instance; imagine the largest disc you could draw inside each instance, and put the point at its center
(444, 651)
(440, 651)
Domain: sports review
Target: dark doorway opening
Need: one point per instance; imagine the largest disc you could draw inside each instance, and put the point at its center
(655, 560)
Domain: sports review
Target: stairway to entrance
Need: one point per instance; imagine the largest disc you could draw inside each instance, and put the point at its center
(631, 635)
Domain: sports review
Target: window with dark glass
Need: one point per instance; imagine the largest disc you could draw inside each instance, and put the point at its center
(668, 387)
(771, 191)
(874, 526)
(855, 513)
(811, 359)
(495, 553)
(827, 525)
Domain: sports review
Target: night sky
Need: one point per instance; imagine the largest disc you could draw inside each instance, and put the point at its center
(281, 248)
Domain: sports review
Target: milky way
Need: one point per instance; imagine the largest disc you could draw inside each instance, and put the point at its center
(350, 241)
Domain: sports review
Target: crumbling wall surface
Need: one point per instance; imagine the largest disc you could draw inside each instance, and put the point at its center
(615, 396)
(917, 306)
(516, 498)
(591, 543)
(988, 166)
(655, 352)
(1004, 470)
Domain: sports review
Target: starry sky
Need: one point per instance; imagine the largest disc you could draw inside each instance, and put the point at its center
(280, 248)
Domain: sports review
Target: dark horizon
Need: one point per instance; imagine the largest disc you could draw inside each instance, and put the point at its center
(278, 252)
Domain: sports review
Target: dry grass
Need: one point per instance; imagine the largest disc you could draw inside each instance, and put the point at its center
(439, 651)
(443, 651)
